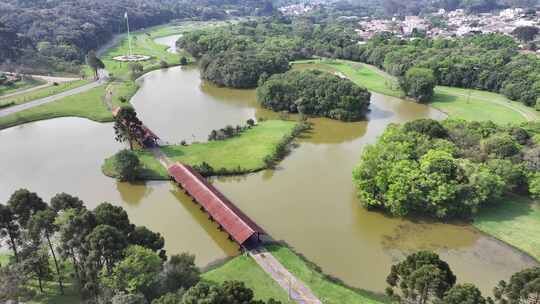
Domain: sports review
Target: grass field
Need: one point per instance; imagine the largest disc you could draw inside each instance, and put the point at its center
(245, 269)
(142, 43)
(4, 259)
(246, 151)
(473, 105)
(44, 92)
(361, 74)
(481, 105)
(328, 291)
(20, 85)
(87, 105)
(516, 221)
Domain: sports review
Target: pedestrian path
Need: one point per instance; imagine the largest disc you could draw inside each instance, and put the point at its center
(296, 289)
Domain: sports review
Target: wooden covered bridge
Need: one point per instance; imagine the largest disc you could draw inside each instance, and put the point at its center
(232, 220)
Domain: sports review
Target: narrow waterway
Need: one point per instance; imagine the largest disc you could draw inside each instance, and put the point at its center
(309, 201)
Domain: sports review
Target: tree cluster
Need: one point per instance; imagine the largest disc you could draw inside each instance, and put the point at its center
(314, 92)
(230, 131)
(241, 69)
(419, 84)
(110, 259)
(424, 278)
(449, 169)
(488, 62)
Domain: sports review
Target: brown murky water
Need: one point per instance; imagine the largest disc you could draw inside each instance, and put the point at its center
(309, 201)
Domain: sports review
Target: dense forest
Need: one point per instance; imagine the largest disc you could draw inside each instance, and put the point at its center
(449, 169)
(314, 92)
(241, 69)
(485, 61)
(57, 34)
(238, 55)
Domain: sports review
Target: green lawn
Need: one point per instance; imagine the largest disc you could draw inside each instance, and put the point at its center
(44, 92)
(516, 221)
(246, 151)
(361, 74)
(125, 89)
(325, 289)
(142, 44)
(245, 269)
(473, 105)
(4, 259)
(20, 85)
(481, 105)
(87, 105)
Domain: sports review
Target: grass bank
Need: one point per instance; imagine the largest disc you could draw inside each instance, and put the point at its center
(472, 105)
(89, 105)
(516, 221)
(24, 84)
(328, 290)
(244, 268)
(42, 93)
(240, 154)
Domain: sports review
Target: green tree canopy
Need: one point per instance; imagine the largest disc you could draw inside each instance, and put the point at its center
(127, 165)
(63, 201)
(464, 294)
(23, 204)
(421, 277)
(523, 287)
(314, 92)
(115, 216)
(138, 272)
(180, 272)
(419, 84)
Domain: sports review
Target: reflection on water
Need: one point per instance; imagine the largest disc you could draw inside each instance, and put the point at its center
(309, 201)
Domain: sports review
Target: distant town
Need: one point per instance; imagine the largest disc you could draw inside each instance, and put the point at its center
(445, 24)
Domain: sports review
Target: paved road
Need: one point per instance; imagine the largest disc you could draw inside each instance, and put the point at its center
(295, 288)
(45, 100)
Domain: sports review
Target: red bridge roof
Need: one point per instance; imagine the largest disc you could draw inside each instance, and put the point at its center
(232, 219)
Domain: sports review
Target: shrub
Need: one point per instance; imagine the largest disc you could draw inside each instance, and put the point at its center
(204, 169)
(127, 165)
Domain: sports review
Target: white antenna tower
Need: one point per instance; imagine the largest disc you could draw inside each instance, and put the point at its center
(129, 37)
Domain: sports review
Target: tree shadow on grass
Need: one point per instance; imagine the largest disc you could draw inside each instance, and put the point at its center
(444, 98)
(173, 153)
(507, 209)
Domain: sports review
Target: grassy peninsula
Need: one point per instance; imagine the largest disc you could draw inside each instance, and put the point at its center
(244, 153)
(472, 105)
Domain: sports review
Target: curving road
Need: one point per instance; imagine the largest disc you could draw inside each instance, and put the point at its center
(38, 102)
